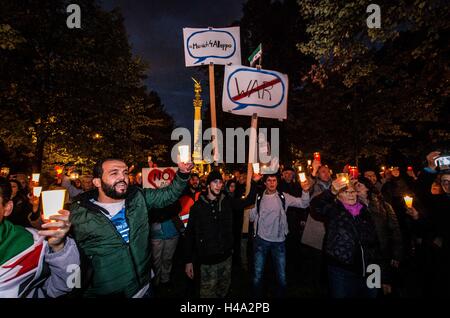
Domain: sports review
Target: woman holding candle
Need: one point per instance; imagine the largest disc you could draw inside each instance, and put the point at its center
(351, 242)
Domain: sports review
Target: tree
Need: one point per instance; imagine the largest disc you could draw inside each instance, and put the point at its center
(75, 93)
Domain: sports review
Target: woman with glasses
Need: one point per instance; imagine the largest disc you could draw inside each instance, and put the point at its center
(350, 243)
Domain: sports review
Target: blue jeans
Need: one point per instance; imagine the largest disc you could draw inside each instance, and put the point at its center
(278, 252)
(346, 284)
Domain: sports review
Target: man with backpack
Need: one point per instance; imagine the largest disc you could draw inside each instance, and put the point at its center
(270, 230)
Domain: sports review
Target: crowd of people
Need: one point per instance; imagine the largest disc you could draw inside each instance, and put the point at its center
(120, 239)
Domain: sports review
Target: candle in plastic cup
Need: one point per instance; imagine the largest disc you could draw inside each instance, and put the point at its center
(35, 177)
(255, 168)
(184, 153)
(317, 156)
(408, 201)
(37, 191)
(52, 202)
(354, 173)
(300, 168)
(302, 176)
(410, 168)
(343, 177)
(309, 162)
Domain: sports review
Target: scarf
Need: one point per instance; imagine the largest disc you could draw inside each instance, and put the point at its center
(14, 240)
(354, 209)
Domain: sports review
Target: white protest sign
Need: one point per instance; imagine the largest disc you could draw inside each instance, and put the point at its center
(248, 90)
(219, 46)
(156, 178)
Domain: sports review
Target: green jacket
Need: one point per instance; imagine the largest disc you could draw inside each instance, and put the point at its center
(116, 268)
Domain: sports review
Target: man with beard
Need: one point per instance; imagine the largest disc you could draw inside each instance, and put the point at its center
(111, 228)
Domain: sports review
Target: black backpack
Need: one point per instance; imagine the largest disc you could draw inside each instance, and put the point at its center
(258, 204)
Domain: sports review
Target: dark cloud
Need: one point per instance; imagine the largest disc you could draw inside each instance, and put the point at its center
(155, 32)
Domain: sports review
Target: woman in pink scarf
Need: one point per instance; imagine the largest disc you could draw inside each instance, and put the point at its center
(350, 244)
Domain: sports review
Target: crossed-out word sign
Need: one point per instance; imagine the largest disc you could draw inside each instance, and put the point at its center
(219, 46)
(156, 178)
(249, 90)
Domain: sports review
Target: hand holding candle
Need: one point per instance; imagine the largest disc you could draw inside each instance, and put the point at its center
(343, 177)
(52, 202)
(302, 176)
(35, 177)
(184, 153)
(37, 191)
(317, 156)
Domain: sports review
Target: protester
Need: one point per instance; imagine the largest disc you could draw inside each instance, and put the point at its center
(270, 230)
(296, 217)
(34, 264)
(111, 228)
(351, 242)
(86, 183)
(321, 178)
(388, 231)
(164, 236)
(372, 177)
(209, 237)
(188, 198)
(437, 234)
(393, 192)
(23, 209)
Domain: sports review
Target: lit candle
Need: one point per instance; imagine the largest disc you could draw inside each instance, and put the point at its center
(309, 162)
(37, 191)
(52, 202)
(35, 177)
(354, 172)
(300, 168)
(184, 153)
(317, 156)
(408, 201)
(343, 177)
(59, 170)
(302, 176)
(73, 176)
(255, 167)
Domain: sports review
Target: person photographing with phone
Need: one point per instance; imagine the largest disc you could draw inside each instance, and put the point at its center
(437, 221)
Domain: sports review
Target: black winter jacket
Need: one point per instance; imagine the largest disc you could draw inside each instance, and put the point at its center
(350, 242)
(209, 234)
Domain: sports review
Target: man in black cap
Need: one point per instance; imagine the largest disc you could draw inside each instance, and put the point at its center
(209, 236)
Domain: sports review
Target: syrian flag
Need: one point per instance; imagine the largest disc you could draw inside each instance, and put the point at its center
(255, 55)
(18, 273)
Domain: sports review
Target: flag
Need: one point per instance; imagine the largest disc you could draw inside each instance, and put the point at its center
(255, 55)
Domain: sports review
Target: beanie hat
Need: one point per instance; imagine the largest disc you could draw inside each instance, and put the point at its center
(214, 175)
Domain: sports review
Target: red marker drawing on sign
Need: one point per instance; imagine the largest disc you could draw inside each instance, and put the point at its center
(258, 88)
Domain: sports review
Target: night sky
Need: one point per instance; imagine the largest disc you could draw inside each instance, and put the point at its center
(155, 30)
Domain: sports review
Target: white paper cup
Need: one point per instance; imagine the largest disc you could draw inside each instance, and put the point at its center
(302, 176)
(52, 202)
(184, 153)
(35, 177)
(37, 191)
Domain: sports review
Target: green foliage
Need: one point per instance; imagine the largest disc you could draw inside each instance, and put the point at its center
(63, 87)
